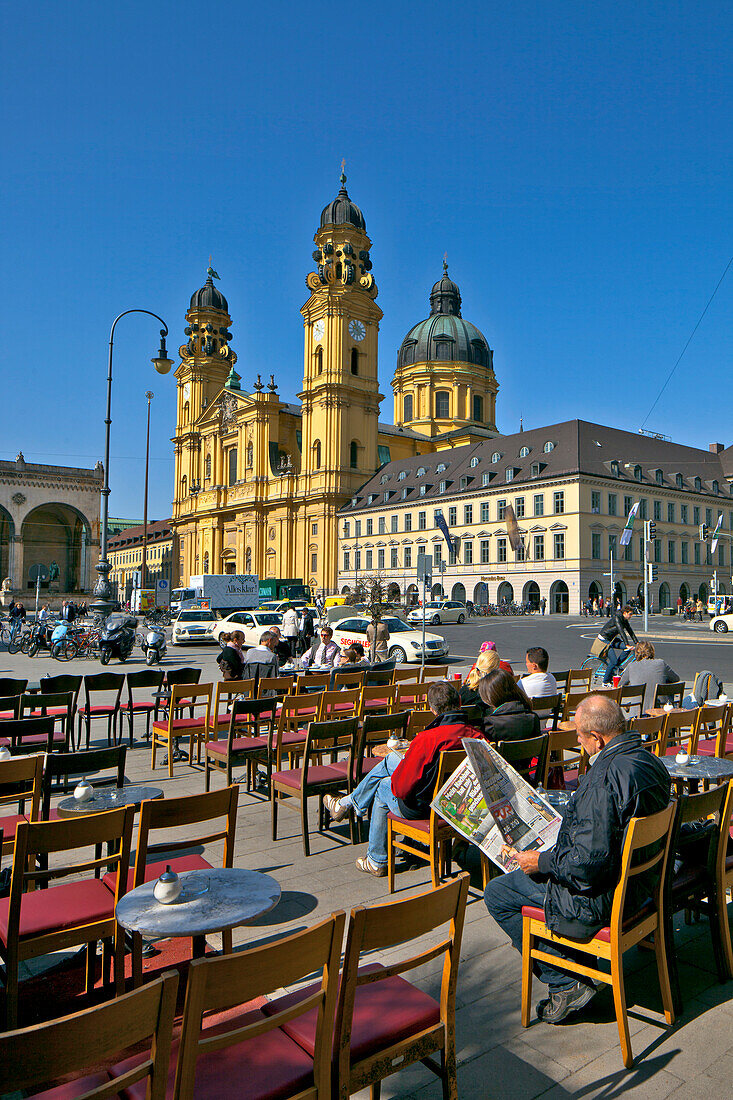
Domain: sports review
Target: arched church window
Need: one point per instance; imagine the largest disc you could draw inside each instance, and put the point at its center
(319, 361)
(353, 455)
(317, 454)
(442, 405)
(186, 411)
(233, 466)
(207, 468)
(478, 408)
(407, 407)
(206, 562)
(354, 361)
(184, 486)
(250, 455)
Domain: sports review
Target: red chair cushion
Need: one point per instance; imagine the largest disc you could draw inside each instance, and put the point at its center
(73, 1089)
(322, 773)
(139, 706)
(421, 823)
(180, 724)
(60, 907)
(341, 708)
(179, 864)
(10, 824)
(51, 712)
(239, 744)
(385, 1012)
(58, 738)
(92, 711)
(603, 934)
(270, 1067)
(372, 704)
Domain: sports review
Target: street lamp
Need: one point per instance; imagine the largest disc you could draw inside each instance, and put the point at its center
(161, 362)
(150, 395)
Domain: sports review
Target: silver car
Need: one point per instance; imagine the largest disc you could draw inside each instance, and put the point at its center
(440, 611)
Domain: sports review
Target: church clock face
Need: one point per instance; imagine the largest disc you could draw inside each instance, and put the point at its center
(318, 329)
(357, 331)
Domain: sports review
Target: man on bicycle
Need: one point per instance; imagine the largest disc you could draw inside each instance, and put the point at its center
(619, 637)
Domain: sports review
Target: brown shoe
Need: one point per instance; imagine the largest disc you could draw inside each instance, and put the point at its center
(377, 869)
(334, 807)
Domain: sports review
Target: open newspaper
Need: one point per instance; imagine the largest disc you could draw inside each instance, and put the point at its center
(488, 803)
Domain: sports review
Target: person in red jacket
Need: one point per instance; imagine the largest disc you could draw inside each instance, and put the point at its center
(405, 786)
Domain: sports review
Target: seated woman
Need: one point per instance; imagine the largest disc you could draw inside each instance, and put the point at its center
(509, 714)
(486, 662)
(352, 657)
(490, 647)
(230, 663)
(649, 671)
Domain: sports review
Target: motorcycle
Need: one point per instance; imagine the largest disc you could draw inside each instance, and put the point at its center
(39, 638)
(117, 637)
(153, 645)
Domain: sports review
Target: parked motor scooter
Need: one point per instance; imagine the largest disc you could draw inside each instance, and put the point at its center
(117, 638)
(153, 645)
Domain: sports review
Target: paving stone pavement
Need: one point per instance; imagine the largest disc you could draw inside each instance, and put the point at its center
(497, 1058)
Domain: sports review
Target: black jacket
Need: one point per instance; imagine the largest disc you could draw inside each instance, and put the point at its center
(625, 781)
(618, 627)
(511, 721)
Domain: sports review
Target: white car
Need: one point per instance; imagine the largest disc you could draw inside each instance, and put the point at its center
(721, 624)
(405, 644)
(253, 624)
(440, 611)
(194, 625)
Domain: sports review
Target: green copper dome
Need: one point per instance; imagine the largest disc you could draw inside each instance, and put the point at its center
(444, 335)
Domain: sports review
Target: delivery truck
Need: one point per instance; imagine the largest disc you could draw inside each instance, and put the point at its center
(292, 589)
(222, 592)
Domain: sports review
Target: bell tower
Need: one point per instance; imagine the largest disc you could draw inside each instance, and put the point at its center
(341, 324)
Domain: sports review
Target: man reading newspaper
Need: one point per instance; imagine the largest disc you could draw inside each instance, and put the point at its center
(574, 881)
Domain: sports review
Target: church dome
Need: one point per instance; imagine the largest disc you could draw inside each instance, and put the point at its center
(444, 335)
(342, 211)
(209, 297)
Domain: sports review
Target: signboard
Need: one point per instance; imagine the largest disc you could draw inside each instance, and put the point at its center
(163, 593)
(424, 568)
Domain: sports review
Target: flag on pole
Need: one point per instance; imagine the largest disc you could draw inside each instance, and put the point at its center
(718, 525)
(453, 544)
(626, 533)
(512, 528)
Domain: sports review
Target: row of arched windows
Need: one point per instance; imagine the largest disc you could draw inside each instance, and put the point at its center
(354, 360)
(442, 407)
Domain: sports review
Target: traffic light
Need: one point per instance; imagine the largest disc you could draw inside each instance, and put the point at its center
(652, 530)
(655, 571)
(704, 532)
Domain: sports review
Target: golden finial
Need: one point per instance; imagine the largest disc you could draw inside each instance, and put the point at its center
(343, 172)
(445, 263)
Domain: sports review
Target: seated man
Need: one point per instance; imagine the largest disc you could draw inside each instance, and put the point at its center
(283, 647)
(574, 881)
(405, 786)
(538, 682)
(262, 659)
(649, 671)
(323, 653)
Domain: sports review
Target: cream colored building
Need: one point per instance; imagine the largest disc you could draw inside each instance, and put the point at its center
(125, 554)
(571, 486)
(259, 481)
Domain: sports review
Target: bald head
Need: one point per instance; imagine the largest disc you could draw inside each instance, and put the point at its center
(600, 716)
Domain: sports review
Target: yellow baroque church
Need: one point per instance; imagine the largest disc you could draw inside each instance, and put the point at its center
(259, 481)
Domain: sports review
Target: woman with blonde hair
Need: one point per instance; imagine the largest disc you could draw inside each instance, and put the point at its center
(486, 662)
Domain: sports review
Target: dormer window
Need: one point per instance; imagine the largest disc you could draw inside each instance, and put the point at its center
(615, 468)
(464, 482)
(534, 469)
(496, 457)
(659, 475)
(384, 479)
(698, 485)
(485, 479)
(679, 481)
(423, 489)
(549, 446)
(637, 472)
(421, 471)
(715, 487)
(509, 473)
(441, 468)
(474, 462)
(402, 475)
(524, 451)
(441, 486)
(404, 494)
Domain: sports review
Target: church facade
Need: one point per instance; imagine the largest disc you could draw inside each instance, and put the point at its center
(259, 482)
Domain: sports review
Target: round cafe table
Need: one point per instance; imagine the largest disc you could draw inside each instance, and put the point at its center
(711, 768)
(107, 798)
(384, 750)
(211, 901)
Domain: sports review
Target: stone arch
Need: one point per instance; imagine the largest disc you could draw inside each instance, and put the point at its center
(7, 532)
(57, 532)
(703, 593)
(595, 590)
(531, 594)
(665, 598)
(505, 591)
(559, 598)
(345, 590)
(436, 592)
(684, 592)
(393, 592)
(412, 595)
(458, 592)
(481, 594)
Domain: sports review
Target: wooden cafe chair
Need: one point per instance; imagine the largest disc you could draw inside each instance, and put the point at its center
(60, 707)
(567, 761)
(412, 697)
(67, 1049)
(713, 730)
(10, 707)
(312, 682)
(225, 694)
(430, 673)
(623, 931)
(20, 783)
(669, 693)
(680, 732)
(89, 711)
(529, 757)
(30, 735)
(548, 708)
(339, 704)
(166, 732)
(62, 770)
(377, 699)
(37, 922)
(10, 686)
(342, 678)
(652, 730)
(145, 678)
(578, 679)
(573, 699)
(249, 741)
(418, 721)
(631, 700)
(406, 676)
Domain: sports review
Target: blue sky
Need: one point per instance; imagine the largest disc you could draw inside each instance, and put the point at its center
(573, 159)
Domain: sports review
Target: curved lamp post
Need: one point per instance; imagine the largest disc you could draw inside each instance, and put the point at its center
(103, 589)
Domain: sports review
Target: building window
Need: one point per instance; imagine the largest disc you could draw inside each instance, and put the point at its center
(408, 521)
(628, 502)
(708, 516)
(207, 468)
(559, 545)
(501, 550)
(679, 481)
(383, 525)
(721, 553)
(670, 513)
(369, 559)
(539, 505)
(393, 524)
(314, 528)
(612, 545)
(698, 485)
(437, 514)
(468, 513)
(437, 554)
(683, 513)
(629, 552)
(595, 545)
(697, 553)
(549, 446)
(232, 465)
(637, 473)
(615, 469)
(370, 526)
(468, 552)
(380, 559)
(393, 558)
(478, 408)
(612, 504)
(657, 510)
(558, 503)
(453, 552)
(357, 560)
(659, 475)
(657, 550)
(442, 486)
(485, 479)
(643, 509)
(422, 521)
(452, 516)
(206, 562)
(500, 509)
(357, 528)
(519, 507)
(684, 553)
(353, 455)
(407, 407)
(474, 462)
(670, 552)
(696, 516)
(485, 558)
(408, 557)
(595, 503)
(317, 455)
(319, 361)
(539, 548)
(442, 405)
(523, 452)
(423, 490)
(485, 512)
(354, 361)
(346, 561)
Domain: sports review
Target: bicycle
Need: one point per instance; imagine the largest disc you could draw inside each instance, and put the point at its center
(13, 638)
(600, 665)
